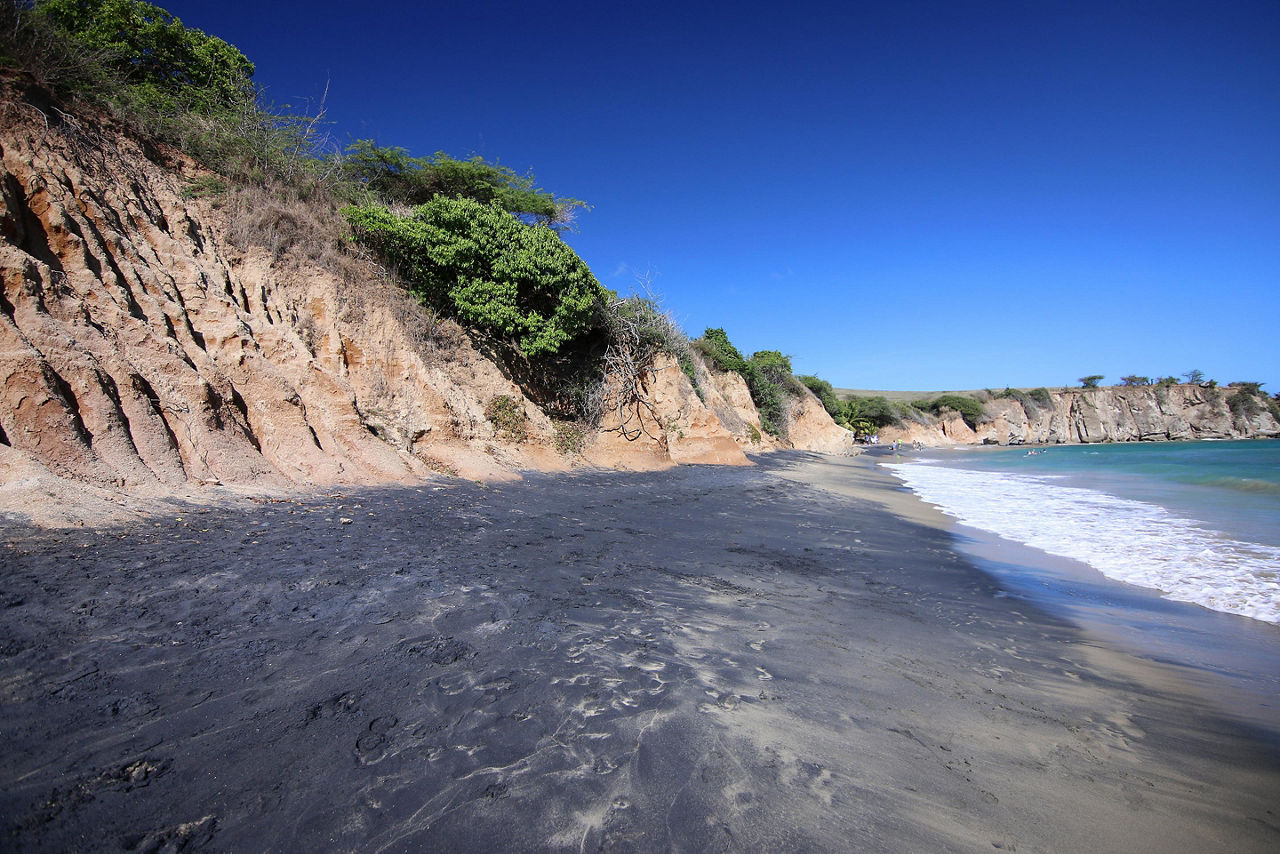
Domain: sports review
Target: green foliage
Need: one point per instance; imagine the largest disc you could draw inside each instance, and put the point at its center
(875, 411)
(1243, 404)
(167, 65)
(571, 436)
(1091, 381)
(516, 282)
(862, 427)
(769, 378)
(1032, 402)
(970, 410)
(165, 81)
(394, 176)
(1026, 401)
(205, 186)
(720, 354)
(1166, 382)
(777, 369)
(1194, 377)
(767, 374)
(507, 416)
(1249, 400)
(825, 393)
(1250, 388)
(1135, 380)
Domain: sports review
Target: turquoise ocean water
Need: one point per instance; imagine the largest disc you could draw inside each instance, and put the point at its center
(1171, 549)
(1196, 521)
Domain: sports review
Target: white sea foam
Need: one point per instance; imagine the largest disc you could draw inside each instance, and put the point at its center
(1131, 541)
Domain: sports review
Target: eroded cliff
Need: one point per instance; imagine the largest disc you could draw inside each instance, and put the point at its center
(162, 334)
(1113, 414)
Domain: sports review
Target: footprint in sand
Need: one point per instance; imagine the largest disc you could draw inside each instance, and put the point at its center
(371, 747)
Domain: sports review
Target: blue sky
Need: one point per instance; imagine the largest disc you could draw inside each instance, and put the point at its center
(899, 195)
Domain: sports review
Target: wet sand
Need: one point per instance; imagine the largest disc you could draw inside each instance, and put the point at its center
(702, 659)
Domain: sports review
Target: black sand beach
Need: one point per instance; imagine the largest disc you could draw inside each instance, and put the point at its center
(705, 659)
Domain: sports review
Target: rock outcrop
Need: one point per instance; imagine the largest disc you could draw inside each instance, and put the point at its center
(1112, 414)
(1127, 414)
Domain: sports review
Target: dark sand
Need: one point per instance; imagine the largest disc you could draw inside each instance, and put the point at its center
(704, 659)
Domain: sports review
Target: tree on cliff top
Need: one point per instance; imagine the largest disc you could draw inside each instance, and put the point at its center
(1091, 381)
(167, 65)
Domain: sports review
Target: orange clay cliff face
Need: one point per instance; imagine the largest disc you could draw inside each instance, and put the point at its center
(162, 335)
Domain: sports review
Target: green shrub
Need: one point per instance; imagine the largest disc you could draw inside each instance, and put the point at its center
(1243, 402)
(570, 436)
(206, 186)
(507, 416)
(970, 410)
(1032, 402)
(719, 353)
(165, 81)
(767, 374)
(825, 393)
(395, 177)
(875, 411)
(516, 282)
(169, 67)
(1247, 387)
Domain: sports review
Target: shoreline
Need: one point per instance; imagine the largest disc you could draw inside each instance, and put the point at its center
(701, 657)
(1231, 658)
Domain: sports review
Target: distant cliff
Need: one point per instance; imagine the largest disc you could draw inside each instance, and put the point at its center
(1114, 414)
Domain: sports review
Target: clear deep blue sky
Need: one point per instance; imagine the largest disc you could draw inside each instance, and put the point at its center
(899, 195)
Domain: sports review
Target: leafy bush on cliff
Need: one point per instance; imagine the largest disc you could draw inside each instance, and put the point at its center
(1032, 402)
(876, 411)
(167, 82)
(1248, 400)
(769, 378)
(767, 374)
(167, 66)
(970, 410)
(519, 283)
(714, 346)
(825, 393)
(395, 177)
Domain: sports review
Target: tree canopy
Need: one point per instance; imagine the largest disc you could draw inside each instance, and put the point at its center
(168, 64)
